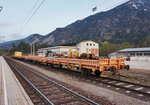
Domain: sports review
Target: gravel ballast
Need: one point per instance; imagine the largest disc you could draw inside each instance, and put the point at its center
(106, 94)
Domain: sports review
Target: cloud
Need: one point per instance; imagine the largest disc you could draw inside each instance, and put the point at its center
(14, 37)
(6, 24)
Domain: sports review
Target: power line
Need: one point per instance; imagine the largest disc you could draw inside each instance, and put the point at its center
(21, 25)
(68, 19)
(31, 16)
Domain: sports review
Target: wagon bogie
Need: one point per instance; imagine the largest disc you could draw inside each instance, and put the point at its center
(97, 73)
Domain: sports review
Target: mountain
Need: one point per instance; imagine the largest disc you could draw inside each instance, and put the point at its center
(30, 39)
(127, 22)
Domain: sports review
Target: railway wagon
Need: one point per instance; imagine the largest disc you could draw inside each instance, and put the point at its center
(85, 66)
(18, 53)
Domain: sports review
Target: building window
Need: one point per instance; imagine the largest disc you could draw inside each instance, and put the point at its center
(87, 44)
(147, 54)
(132, 54)
(139, 54)
(90, 44)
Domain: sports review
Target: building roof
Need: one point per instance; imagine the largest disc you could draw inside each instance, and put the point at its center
(88, 41)
(48, 48)
(144, 49)
(39, 51)
(57, 47)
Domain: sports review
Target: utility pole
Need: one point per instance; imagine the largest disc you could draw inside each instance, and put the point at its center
(31, 48)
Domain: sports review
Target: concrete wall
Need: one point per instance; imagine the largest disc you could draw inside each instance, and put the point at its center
(66, 51)
(139, 64)
(144, 58)
(42, 53)
(58, 50)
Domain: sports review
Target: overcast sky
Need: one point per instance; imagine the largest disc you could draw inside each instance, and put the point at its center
(51, 15)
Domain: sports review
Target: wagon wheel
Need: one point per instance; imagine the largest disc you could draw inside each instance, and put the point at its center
(82, 71)
(85, 72)
(46, 64)
(52, 66)
(97, 73)
(113, 70)
(60, 66)
(127, 67)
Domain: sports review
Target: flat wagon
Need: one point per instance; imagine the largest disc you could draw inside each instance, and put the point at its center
(85, 66)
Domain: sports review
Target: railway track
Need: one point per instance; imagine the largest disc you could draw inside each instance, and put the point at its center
(132, 89)
(129, 87)
(44, 91)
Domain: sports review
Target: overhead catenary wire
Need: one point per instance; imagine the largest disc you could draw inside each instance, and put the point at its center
(25, 24)
(31, 17)
(21, 25)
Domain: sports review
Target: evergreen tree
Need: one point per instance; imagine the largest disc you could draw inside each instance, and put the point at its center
(148, 41)
(125, 45)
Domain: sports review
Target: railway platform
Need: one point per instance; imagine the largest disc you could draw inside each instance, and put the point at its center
(11, 91)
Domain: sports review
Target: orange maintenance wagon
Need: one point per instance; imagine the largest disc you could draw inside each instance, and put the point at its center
(86, 66)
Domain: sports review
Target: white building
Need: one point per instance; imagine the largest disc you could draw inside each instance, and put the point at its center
(145, 51)
(42, 51)
(89, 47)
(136, 54)
(57, 50)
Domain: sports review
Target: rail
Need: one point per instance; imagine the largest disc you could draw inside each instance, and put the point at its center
(56, 84)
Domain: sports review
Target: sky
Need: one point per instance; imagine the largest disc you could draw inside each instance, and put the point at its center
(51, 15)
